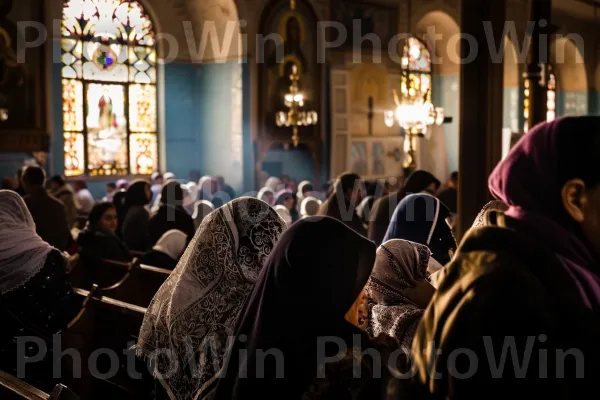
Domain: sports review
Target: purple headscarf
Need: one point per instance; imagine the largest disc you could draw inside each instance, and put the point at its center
(529, 182)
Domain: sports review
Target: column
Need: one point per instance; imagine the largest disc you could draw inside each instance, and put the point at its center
(480, 146)
(538, 61)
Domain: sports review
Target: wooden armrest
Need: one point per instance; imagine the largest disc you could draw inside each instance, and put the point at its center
(84, 305)
(21, 388)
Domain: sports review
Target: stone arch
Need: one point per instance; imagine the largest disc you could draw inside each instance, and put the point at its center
(440, 153)
(567, 58)
(512, 88)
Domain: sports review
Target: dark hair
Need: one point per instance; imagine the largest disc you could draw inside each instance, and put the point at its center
(346, 182)
(80, 184)
(171, 194)
(111, 185)
(578, 144)
(97, 213)
(58, 180)
(283, 196)
(156, 175)
(136, 194)
(307, 188)
(34, 176)
(9, 183)
(454, 176)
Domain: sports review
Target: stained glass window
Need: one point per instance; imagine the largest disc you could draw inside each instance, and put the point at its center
(416, 67)
(109, 88)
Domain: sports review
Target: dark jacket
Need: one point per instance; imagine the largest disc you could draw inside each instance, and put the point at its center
(135, 229)
(158, 259)
(167, 218)
(381, 215)
(95, 246)
(41, 308)
(50, 218)
(331, 208)
(383, 209)
(504, 287)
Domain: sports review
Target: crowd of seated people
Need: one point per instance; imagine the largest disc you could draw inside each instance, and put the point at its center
(357, 292)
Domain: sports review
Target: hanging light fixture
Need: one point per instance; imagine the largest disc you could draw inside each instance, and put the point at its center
(295, 116)
(414, 112)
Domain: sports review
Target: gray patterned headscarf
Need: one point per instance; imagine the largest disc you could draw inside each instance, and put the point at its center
(400, 265)
(188, 323)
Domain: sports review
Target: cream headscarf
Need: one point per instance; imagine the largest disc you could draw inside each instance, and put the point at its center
(284, 213)
(171, 243)
(188, 323)
(22, 251)
(274, 184)
(310, 207)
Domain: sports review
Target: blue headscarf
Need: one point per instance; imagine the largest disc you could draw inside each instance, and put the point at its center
(421, 218)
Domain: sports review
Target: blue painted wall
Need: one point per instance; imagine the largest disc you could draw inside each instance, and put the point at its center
(446, 94)
(572, 103)
(198, 124)
(11, 162)
(297, 163)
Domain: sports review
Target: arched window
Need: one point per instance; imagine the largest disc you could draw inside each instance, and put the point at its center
(109, 88)
(416, 71)
(550, 105)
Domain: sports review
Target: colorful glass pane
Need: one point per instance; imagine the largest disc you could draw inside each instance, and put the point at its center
(143, 156)
(108, 49)
(120, 20)
(416, 56)
(105, 63)
(74, 155)
(142, 108)
(107, 129)
(72, 105)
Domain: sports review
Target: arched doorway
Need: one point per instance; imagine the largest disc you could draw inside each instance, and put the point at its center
(571, 77)
(441, 33)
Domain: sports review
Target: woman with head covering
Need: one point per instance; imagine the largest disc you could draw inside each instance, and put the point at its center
(284, 214)
(166, 252)
(194, 312)
(206, 188)
(36, 299)
(136, 217)
(398, 290)
(383, 208)
(97, 242)
(531, 272)
(364, 210)
(274, 184)
(305, 189)
(265, 194)
(190, 192)
(201, 209)
(421, 218)
(310, 207)
(170, 215)
(342, 203)
(286, 199)
(310, 284)
(122, 184)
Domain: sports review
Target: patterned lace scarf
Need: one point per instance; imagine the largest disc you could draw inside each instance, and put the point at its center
(187, 326)
(399, 266)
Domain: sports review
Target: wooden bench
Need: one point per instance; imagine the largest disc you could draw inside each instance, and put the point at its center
(112, 325)
(130, 282)
(13, 388)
